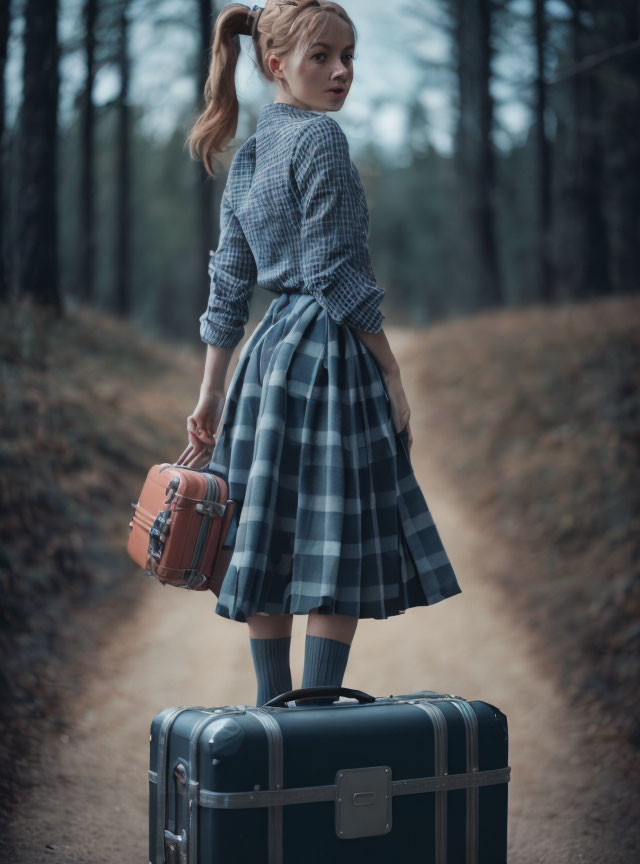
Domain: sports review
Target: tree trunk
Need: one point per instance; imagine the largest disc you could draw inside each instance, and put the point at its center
(474, 148)
(491, 291)
(5, 17)
(591, 254)
(37, 229)
(596, 234)
(623, 130)
(546, 276)
(123, 228)
(86, 236)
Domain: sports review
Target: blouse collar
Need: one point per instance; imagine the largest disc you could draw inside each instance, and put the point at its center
(286, 108)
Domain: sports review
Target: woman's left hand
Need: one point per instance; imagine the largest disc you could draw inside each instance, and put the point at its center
(200, 426)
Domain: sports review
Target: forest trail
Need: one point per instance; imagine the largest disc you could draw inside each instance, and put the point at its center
(564, 804)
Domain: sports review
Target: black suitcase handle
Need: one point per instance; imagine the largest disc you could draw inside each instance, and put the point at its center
(316, 693)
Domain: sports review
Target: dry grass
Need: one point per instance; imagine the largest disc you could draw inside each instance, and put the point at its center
(88, 405)
(535, 414)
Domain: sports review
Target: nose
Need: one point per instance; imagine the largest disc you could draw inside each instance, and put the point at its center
(341, 70)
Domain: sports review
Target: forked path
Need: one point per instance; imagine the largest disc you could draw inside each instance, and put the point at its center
(565, 805)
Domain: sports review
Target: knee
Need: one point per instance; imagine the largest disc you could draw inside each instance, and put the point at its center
(339, 627)
(269, 626)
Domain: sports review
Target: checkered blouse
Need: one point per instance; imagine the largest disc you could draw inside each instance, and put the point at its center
(293, 218)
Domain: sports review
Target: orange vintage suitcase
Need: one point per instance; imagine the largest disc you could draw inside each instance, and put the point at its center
(179, 527)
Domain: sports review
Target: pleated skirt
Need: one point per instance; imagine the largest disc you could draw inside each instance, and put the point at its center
(329, 514)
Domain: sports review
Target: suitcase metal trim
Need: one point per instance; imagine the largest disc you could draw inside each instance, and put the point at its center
(311, 794)
(472, 810)
(440, 763)
(162, 783)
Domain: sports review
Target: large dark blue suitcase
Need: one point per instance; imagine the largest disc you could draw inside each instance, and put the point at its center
(373, 780)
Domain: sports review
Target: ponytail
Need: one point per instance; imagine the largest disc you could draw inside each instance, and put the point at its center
(218, 122)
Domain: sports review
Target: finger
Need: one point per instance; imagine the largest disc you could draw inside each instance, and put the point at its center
(189, 462)
(200, 460)
(192, 453)
(196, 455)
(200, 434)
(185, 454)
(205, 458)
(204, 433)
(194, 439)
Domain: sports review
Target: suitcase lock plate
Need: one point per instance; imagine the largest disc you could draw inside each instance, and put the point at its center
(363, 801)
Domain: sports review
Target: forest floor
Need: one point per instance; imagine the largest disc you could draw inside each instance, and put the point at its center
(511, 638)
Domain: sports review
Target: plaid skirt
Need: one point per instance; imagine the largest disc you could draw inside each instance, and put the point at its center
(329, 514)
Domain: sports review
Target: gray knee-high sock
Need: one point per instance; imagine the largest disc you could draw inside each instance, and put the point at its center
(271, 662)
(325, 661)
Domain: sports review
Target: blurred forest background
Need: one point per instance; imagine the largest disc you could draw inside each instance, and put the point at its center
(499, 145)
(513, 177)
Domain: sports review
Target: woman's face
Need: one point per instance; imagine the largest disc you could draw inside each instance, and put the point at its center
(319, 77)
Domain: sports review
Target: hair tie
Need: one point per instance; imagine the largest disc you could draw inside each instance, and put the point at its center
(252, 19)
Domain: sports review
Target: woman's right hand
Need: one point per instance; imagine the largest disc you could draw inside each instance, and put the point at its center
(200, 430)
(400, 411)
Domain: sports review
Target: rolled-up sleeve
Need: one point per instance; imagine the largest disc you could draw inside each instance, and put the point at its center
(233, 273)
(336, 264)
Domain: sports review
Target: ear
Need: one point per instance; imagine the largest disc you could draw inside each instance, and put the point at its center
(276, 67)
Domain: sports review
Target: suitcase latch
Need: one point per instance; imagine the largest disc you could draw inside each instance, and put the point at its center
(193, 579)
(175, 847)
(210, 508)
(364, 799)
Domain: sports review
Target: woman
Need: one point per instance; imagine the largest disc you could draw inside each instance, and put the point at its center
(314, 439)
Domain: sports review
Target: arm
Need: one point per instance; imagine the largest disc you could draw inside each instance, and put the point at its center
(379, 346)
(335, 223)
(336, 263)
(215, 370)
(233, 273)
(203, 422)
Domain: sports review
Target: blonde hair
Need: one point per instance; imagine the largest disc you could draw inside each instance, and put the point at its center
(276, 29)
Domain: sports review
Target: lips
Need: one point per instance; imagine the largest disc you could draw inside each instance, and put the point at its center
(336, 90)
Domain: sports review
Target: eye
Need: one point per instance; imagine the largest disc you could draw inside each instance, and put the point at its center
(347, 57)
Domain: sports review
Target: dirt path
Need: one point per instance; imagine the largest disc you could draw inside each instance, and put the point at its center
(565, 805)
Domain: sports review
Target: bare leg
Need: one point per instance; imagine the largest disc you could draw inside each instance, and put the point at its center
(269, 626)
(339, 627)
